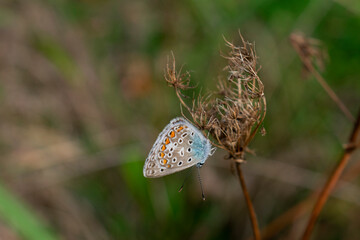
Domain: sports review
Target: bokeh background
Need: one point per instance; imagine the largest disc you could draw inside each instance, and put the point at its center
(82, 99)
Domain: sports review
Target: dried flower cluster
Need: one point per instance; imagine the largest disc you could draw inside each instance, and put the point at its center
(234, 113)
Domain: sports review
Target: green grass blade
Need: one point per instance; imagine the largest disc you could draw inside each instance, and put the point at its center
(22, 219)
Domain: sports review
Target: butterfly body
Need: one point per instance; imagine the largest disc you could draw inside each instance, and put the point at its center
(179, 146)
(201, 149)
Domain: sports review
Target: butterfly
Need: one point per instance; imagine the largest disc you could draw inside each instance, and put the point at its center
(179, 146)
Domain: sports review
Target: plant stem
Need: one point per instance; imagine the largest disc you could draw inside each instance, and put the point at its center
(302, 208)
(249, 204)
(299, 44)
(333, 179)
(330, 92)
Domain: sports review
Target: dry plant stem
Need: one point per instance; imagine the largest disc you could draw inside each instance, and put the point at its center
(330, 92)
(304, 50)
(333, 179)
(249, 204)
(300, 209)
(178, 94)
(300, 45)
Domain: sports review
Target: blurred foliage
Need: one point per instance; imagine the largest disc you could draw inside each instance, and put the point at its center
(21, 219)
(83, 98)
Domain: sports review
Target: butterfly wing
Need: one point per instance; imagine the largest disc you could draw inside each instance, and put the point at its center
(179, 146)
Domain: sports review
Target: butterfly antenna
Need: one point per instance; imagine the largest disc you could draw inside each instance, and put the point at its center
(198, 173)
(186, 178)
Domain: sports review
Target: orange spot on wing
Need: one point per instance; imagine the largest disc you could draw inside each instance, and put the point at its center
(167, 141)
(163, 161)
(180, 128)
(163, 148)
(172, 134)
(162, 154)
(168, 166)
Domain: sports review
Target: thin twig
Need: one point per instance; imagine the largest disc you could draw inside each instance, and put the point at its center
(302, 208)
(330, 92)
(306, 52)
(254, 223)
(333, 179)
(178, 94)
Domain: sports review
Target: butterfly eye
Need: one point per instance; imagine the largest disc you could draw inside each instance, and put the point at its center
(175, 144)
(180, 140)
(171, 149)
(190, 159)
(180, 163)
(161, 170)
(192, 133)
(184, 135)
(188, 150)
(174, 160)
(170, 154)
(190, 142)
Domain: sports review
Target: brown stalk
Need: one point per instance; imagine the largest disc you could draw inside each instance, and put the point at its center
(333, 179)
(253, 219)
(300, 209)
(307, 52)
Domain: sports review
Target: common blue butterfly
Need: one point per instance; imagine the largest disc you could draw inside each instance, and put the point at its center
(179, 146)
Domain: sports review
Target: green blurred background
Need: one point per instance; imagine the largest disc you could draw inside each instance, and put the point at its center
(83, 98)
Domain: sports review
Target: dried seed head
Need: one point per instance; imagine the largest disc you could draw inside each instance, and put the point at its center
(235, 112)
(179, 81)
